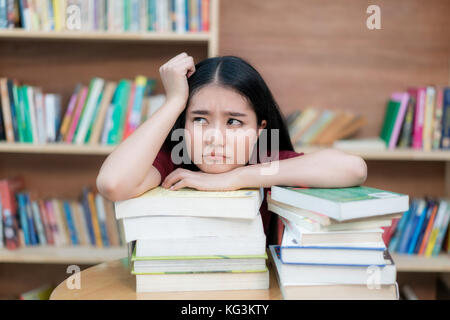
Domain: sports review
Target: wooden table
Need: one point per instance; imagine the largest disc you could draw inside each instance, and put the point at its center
(113, 281)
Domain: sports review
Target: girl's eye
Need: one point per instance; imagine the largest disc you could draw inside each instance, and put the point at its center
(234, 122)
(200, 120)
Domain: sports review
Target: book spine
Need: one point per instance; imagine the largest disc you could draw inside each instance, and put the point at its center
(39, 223)
(437, 126)
(444, 226)
(427, 231)
(430, 97)
(70, 223)
(94, 218)
(31, 226)
(100, 208)
(6, 110)
(46, 222)
(69, 113)
(403, 97)
(445, 136)
(205, 15)
(87, 215)
(440, 216)
(76, 117)
(419, 119)
(417, 228)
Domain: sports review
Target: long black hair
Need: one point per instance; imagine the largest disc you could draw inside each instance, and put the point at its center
(237, 74)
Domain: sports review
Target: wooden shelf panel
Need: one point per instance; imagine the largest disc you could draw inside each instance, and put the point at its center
(414, 263)
(65, 148)
(107, 36)
(63, 255)
(397, 154)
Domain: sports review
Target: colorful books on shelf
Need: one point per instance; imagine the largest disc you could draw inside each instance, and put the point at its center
(103, 113)
(332, 244)
(103, 15)
(418, 119)
(422, 230)
(313, 126)
(182, 241)
(28, 221)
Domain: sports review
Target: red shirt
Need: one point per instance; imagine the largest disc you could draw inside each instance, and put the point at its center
(163, 163)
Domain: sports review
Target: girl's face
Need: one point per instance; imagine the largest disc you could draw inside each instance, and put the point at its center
(221, 129)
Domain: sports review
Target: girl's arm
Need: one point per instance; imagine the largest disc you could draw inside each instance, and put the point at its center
(128, 171)
(329, 168)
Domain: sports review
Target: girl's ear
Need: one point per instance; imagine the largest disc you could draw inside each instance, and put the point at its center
(262, 126)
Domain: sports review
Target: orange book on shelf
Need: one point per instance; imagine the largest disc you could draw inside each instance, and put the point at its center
(337, 117)
(95, 223)
(426, 236)
(330, 135)
(355, 125)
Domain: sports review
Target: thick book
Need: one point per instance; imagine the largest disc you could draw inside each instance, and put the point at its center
(198, 264)
(314, 221)
(342, 203)
(207, 281)
(361, 238)
(175, 227)
(323, 274)
(244, 203)
(335, 255)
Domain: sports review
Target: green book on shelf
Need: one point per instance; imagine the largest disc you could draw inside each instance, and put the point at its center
(126, 15)
(390, 117)
(119, 112)
(83, 111)
(17, 94)
(342, 203)
(26, 115)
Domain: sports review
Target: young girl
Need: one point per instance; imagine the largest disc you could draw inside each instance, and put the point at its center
(219, 109)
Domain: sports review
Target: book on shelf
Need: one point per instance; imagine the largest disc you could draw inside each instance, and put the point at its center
(243, 203)
(29, 221)
(417, 119)
(103, 113)
(313, 126)
(373, 143)
(342, 203)
(422, 229)
(178, 16)
(189, 240)
(312, 257)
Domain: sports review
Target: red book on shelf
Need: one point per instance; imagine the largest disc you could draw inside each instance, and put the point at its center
(389, 231)
(8, 188)
(205, 15)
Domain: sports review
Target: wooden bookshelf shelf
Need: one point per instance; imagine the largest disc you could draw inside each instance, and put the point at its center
(62, 255)
(106, 35)
(414, 263)
(397, 154)
(65, 148)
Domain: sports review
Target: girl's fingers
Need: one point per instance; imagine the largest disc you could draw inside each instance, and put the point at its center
(180, 184)
(174, 176)
(177, 58)
(188, 64)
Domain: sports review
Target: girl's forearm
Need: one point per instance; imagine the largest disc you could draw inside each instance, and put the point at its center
(129, 162)
(322, 169)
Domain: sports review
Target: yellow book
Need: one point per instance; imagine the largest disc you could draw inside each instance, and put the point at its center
(57, 14)
(100, 119)
(431, 242)
(95, 223)
(427, 134)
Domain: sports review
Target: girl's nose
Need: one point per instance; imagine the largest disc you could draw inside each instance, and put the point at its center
(215, 135)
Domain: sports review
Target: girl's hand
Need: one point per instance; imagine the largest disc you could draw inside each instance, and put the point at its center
(181, 178)
(174, 74)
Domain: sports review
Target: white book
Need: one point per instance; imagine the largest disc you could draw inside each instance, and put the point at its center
(374, 143)
(40, 117)
(343, 203)
(180, 15)
(202, 246)
(89, 110)
(202, 281)
(50, 113)
(329, 255)
(176, 227)
(243, 204)
(369, 238)
(299, 274)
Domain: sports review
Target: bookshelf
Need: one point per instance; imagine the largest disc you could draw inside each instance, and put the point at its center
(56, 61)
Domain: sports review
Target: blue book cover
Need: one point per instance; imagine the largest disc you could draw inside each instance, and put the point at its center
(31, 227)
(445, 134)
(199, 15)
(417, 228)
(394, 243)
(424, 226)
(70, 223)
(186, 7)
(409, 227)
(87, 215)
(23, 218)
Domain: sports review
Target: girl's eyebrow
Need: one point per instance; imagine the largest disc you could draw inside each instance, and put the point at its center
(229, 113)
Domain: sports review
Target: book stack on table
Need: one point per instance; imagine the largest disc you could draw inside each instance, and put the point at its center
(332, 246)
(189, 240)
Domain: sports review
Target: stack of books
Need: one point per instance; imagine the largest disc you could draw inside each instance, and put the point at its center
(189, 240)
(332, 246)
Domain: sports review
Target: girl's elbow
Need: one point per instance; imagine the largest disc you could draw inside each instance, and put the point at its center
(359, 169)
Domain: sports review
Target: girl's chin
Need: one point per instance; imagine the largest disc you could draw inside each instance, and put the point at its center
(217, 168)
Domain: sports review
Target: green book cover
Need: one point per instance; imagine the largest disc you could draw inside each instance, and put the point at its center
(19, 114)
(26, 115)
(94, 117)
(126, 15)
(116, 116)
(123, 102)
(390, 117)
(342, 195)
(151, 15)
(91, 84)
